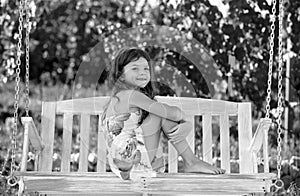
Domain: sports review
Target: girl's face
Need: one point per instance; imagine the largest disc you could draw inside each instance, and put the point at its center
(137, 73)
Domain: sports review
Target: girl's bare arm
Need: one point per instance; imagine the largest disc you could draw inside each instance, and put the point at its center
(138, 99)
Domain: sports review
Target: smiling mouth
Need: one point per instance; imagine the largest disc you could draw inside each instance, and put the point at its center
(141, 79)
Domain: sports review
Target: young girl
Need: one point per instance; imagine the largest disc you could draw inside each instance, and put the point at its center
(133, 121)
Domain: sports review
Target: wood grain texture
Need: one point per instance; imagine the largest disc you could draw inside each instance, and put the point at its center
(172, 159)
(245, 136)
(101, 154)
(207, 137)
(33, 134)
(91, 105)
(67, 140)
(199, 106)
(224, 142)
(47, 135)
(104, 183)
(25, 148)
(84, 142)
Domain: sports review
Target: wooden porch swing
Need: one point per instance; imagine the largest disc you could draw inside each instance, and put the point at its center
(45, 181)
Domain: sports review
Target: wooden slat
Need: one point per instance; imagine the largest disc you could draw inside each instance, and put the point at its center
(265, 152)
(256, 144)
(207, 137)
(40, 174)
(91, 105)
(84, 142)
(101, 157)
(245, 135)
(25, 148)
(30, 135)
(67, 140)
(199, 106)
(200, 184)
(47, 135)
(172, 159)
(33, 134)
(224, 142)
(173, 155)
(192, 106)
(191, 137)
(260, 139)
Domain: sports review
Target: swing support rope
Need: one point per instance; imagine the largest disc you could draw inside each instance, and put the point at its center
(23, 8)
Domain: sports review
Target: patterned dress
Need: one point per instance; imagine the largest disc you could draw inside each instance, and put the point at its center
(127, 155)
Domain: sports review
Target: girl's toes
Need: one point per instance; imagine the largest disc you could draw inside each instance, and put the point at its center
(220, 171)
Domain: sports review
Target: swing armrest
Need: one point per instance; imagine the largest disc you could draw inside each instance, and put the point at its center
(33, 135)
(30, 134)
(259, 140)
(260, 134)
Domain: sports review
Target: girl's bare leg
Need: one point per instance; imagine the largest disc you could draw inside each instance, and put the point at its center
(191, 162)
(151, 127)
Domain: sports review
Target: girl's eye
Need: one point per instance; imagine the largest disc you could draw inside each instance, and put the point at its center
(147, 68)
(134, 68)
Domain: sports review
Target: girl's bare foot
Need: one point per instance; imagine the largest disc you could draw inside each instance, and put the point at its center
(198, 166)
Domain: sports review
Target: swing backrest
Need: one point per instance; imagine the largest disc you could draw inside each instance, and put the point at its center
(87, 107)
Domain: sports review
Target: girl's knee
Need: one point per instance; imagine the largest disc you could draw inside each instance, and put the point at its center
(187, 125)
(154, 117)
(151, 125)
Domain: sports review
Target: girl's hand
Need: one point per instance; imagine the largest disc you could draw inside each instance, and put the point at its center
(185, 117)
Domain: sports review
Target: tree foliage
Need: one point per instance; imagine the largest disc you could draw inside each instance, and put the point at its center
(67, 34)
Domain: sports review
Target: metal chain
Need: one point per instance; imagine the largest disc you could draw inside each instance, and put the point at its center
(17, 87)
(271, 53)
(28, 26)
(12, 181)
(280, 96)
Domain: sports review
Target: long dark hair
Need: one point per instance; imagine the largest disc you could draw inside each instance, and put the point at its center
(122, 58)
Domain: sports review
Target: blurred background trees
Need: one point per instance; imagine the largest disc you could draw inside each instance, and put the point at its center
(68, 34)
(64, 32)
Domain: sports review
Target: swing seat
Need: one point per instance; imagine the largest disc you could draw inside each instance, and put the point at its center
(64, 182)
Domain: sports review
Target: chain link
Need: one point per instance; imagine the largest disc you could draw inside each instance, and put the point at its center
(280, 96)
(17, 89)
(271, 53)
(28, 26)
(278, 184)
